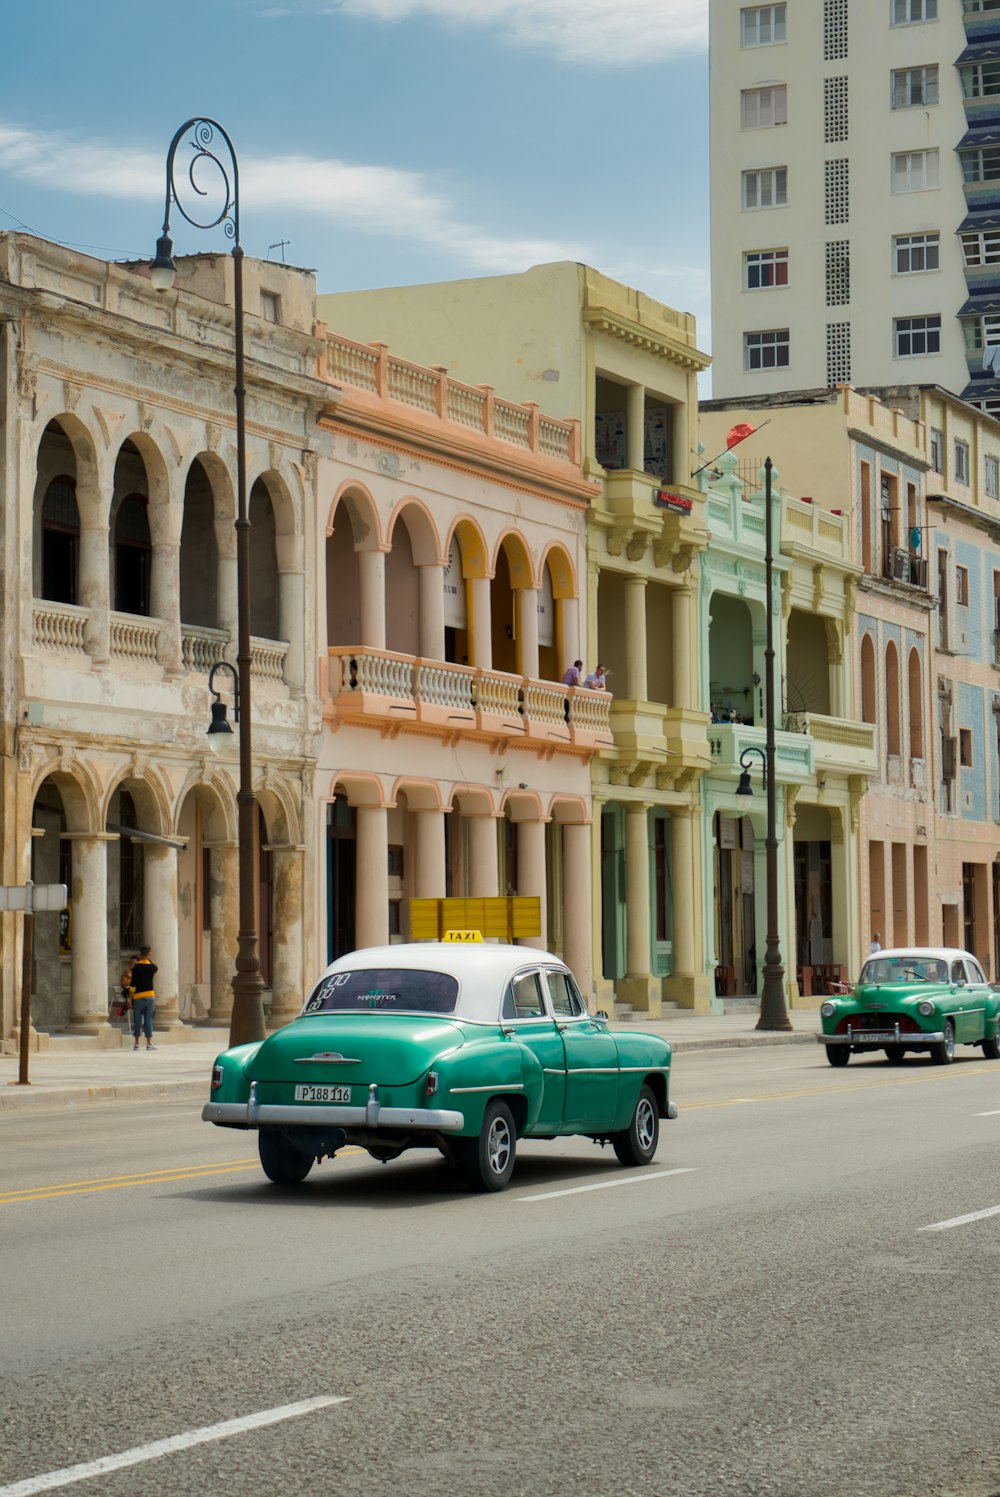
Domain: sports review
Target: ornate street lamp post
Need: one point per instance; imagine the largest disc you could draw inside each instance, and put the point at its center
(204, 175)
(773, 1011)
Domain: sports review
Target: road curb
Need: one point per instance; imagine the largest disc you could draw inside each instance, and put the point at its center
(743, 1042)
(71, 1096)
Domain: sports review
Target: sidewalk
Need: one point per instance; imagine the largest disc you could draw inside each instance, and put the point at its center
(72, 1077)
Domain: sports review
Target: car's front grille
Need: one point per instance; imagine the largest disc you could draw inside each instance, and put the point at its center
(860, 1022)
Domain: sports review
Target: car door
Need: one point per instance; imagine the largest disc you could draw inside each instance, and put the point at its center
(527, 1019)
(591, 1055)
(970, 1024)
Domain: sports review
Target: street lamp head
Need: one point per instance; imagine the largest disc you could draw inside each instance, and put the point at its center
(743, 788)
(218, 732)
(162, 270)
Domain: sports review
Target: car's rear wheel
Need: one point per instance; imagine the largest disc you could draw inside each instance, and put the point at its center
(991, 1048)
(636, 1144)
(838, 1055)
(487, 1162)
(282, 1162)
(943, 1053)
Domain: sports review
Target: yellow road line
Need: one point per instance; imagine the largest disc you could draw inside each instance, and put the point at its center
(826, 1091)
(166, 1176)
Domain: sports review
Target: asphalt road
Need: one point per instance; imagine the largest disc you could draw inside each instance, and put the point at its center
(760, 1313)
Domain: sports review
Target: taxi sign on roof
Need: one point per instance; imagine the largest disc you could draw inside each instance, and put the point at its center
(462, 935)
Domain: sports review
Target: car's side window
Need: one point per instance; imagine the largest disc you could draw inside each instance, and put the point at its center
(975, 972)
(957, 972)
(566, 1001)
(526, 993)
(509, 1010)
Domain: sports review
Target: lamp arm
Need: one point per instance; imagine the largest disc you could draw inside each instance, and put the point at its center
(224, 665)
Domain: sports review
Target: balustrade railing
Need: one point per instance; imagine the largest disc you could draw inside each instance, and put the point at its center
(202, 648)
(134, 638)
(445, 685)
(60, 626)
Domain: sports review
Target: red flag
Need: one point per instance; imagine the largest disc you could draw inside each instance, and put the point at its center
(739, 434)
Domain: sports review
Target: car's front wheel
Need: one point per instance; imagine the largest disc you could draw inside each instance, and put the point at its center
(943, 1053)
(636, 1144)
(282, 1162)
(838, 1055)
(487, 1162)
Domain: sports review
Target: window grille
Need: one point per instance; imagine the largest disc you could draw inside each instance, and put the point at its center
(837, 191)
(838, 272)
(834, 109)
(834, 29)
(838, 353)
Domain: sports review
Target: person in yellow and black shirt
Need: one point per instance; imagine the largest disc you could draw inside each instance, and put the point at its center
(143, 998)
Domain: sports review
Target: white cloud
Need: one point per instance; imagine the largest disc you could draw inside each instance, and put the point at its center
(373, 199)
(610, 33)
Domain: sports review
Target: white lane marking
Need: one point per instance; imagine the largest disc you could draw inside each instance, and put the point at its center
(139, 1453)
(765, 1069)
(575, 1190)
(955, 1221)
(986, 1114)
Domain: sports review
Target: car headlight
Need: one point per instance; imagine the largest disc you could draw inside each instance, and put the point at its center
(828, 1009)
(925, 1007)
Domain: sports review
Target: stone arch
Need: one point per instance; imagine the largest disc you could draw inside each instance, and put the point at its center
(915, 702)
(93, 502)
(277, 800)
(362, 513)
(869, 680)
(892, 700)
(522, 805)
(472, 545)
(354, 571)
(78, 790)
(164, 518)
(473, 800)
(515, 548)
(421, 794)
(561, 570)
(569, 810)
(357, 789)
(424, 540)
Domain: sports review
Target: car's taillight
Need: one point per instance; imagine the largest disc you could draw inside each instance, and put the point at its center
(216, 1078)
(432, 1083)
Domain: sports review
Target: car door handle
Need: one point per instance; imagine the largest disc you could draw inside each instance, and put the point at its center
(561, 1027)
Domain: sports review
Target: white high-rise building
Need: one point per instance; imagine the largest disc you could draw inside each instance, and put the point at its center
(856, 195)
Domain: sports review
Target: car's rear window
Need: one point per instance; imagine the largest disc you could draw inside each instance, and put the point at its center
(385, 990)
(905, 969)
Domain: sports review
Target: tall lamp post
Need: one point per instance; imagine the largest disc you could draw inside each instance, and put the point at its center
(773, 1011)
(204, 175)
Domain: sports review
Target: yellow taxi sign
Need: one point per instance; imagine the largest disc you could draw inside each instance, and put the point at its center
(462, 935)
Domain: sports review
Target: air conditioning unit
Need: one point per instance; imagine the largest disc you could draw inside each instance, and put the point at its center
(949, 757)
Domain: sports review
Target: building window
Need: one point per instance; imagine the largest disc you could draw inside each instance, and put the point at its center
(962, 587)
(908, 12)
(765, 268)
(762, 107)
(980, 79)
(937, 450)
(834, 29)
(838, 353)
(914, 88)
(914, 171)
(916, 252)
(962, 463)
(991, 477)
(837, 191)
(981, 332)
(965, 747)
(768, 350)
(270, 306)
(982, 165)
(766, 189)
(975, 7)
(835, 120)
(981, 249)
(916, 335)
(760, 25)
(838, 273)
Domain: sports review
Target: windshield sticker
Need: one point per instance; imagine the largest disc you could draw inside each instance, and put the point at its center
(378, 989)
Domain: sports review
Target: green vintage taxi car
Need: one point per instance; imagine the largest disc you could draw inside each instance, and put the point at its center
(921, 998)
(463, 1048)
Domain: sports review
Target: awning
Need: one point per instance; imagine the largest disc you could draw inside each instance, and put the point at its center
(981, 138)
(981, 303)
(984, 51)
(980, 221)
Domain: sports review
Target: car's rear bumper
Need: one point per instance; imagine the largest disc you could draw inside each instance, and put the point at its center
(860, 1038)
(287, 1115)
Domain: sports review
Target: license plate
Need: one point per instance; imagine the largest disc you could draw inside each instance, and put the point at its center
(311, 1093)
(878, 1035)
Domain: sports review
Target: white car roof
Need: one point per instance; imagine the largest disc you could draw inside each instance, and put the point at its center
(943, 953)
(482, 969)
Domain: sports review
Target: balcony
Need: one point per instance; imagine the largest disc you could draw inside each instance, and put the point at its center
(907, 566)
(794, 761)
(379, 688)
(839, 744)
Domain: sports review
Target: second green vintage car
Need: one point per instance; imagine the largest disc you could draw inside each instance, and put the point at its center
(921, 998)
(463, 1048)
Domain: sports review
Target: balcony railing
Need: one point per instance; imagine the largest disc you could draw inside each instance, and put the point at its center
(381, 686)
(133, 637)
(202, 648)
(60, 626)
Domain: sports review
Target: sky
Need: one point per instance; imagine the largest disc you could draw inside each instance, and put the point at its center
(385, 141)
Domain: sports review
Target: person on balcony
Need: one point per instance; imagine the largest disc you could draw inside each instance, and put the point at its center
(574, 674)
(596, 681)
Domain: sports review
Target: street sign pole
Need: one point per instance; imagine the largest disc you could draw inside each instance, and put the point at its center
(29, 897)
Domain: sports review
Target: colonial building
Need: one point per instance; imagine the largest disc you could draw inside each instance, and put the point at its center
(117, 496)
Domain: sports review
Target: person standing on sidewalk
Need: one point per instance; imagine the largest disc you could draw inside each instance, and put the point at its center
(143, 998)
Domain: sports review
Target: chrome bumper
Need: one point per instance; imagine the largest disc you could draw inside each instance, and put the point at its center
(267, 1115)
(671, 1110)
(861, 1037)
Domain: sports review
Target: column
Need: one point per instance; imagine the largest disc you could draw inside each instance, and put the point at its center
(635, 415)
(635, 638)
(531, 873)
(227, 608)
(567, 631)
(224, 913)
(371, 921)
(637, 986)
(371, 579)
(527, 631)
(89, 980)
(687, 984)
(287, 955)
(95, 590)
(484, 860)
(679, 452)
(160, 928)
(431, 583)
(480, 623)
(165, 603)
(576, 906)
(291, 605)
(429, 855)
(681, 606)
